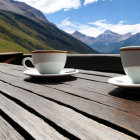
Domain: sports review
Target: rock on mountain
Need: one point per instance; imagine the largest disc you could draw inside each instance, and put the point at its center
(134, 40)
(83, 38)
(111, 37)
(110, 41)
(22, 8)
(108, 36)
(124, 37)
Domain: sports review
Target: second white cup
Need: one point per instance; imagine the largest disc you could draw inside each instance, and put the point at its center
(130, 57)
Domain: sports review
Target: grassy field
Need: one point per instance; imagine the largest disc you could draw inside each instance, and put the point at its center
(8, 46)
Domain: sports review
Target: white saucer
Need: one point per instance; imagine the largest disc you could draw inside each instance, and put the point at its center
(123, 82)
(65, 72)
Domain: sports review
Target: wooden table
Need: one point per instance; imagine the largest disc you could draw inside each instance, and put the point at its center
(84, 106)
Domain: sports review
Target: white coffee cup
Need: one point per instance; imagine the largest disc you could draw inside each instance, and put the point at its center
(130, 57)
(47, 61)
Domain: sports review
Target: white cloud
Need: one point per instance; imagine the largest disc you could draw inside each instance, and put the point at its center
(97, 27)
(66, 23)
(68, 26)
(86, 2)
(89, 1)
(51, 6)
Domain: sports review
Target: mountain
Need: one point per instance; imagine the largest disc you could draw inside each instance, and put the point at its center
(134, 40)
(111, 41)
(108, 36)
(124, 37)
(108, 41)
(22, 8)
(100, 43)
(86, 39)
(20, 33)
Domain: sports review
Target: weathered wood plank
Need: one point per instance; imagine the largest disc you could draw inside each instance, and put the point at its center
(94, 87)
(84, 84)
(84, 76)
(98, 73)
(121, 104)
(36, 127)
(87, 85)
(12, 67)
(73, 122)
(92, 77)
(7, 132)
(121, 118)
(88, 72)
(94, 94)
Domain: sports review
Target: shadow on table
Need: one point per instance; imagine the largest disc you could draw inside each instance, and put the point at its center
(126, 93)
(51, 80)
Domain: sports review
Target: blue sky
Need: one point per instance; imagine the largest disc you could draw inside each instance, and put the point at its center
(113, 11)
(91, 17)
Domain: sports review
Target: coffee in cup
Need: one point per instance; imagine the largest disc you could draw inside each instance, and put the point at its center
(130, 57)
(47, 61)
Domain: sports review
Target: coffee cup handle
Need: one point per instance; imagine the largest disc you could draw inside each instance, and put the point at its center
(24, 64)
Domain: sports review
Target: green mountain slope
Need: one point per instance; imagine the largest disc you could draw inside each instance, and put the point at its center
(31, 34)
(6, 46)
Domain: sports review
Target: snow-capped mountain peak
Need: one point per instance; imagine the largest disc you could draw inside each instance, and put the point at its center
(108, 36)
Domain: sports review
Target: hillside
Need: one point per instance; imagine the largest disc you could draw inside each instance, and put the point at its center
(22, 8)
(30, 34)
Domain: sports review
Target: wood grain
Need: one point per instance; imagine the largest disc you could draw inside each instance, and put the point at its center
(35, 126)
(121, 118)
(94, 92)
(98, 73)
(7, 132)
(89, 72)
(75, 123)
(87, 96)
